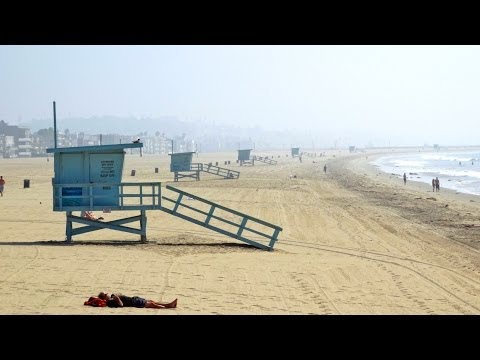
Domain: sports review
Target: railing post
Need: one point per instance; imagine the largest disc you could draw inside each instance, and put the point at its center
(209, 216)
(242, 226)
(90, 194)
(143, 226)
(177, 203)
(121, 195)
(68, 230)
(61, 196)
(274, 238)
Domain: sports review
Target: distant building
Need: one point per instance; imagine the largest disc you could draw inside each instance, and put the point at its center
(15, 141)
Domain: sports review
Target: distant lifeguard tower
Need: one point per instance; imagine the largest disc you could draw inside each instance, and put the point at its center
(244, 157)
(295, 152)
(182, 167)
(89, 178)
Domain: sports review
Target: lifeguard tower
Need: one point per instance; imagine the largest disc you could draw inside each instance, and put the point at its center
(295, 152)
(89, 178)
(182, 167)
(244, 157)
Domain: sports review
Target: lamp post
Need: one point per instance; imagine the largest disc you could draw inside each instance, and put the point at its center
(172, 143)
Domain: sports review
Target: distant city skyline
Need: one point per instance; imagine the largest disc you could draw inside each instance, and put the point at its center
(399, 95)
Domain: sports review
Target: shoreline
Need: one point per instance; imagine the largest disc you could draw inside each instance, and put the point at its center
(454, 214)
(446, 180)
(422, 187)
(452, 195)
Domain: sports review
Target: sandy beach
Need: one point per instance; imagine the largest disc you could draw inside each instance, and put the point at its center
(354, 241)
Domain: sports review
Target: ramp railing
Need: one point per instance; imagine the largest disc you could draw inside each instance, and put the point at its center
(226, 221)
(216, 170)
(265, 160)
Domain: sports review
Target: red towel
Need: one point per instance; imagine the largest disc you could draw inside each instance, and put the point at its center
(95, 301)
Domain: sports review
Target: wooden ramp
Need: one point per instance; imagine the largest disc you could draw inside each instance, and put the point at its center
(215, 170)
(237, 225)
(265, 160)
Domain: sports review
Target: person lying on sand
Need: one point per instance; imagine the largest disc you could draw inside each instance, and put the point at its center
(120, 300)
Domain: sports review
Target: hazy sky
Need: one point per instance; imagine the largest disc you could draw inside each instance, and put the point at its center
(397, 95)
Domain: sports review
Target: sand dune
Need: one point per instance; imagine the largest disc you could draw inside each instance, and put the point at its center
(354, 241)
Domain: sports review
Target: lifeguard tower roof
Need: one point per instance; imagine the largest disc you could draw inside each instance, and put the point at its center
(95, 148)
(187, 152)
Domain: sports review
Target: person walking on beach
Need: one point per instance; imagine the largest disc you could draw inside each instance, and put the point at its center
(2, 184)
(437, 184)
(120, 300)
(405, 178)
(325, 169)
(434, 185)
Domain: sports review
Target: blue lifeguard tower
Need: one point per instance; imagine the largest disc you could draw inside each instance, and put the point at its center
(244, 157)
(295, 152)
(181, 165)
(89, 178)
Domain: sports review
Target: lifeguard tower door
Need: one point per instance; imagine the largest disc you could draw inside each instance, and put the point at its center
(106, 169)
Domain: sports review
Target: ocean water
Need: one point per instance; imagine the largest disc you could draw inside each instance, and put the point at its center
(459, 171)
